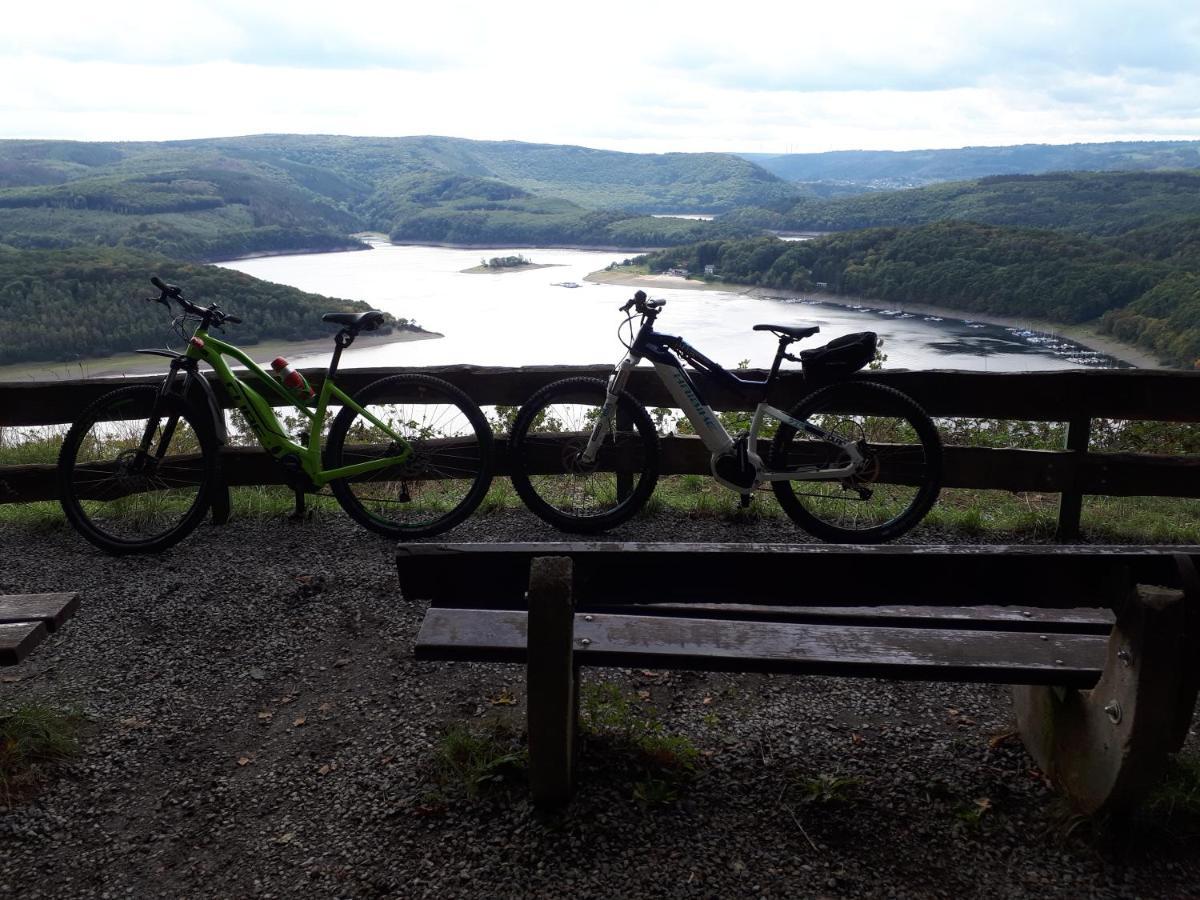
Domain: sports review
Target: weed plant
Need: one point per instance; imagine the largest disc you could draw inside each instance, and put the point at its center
(33, 739)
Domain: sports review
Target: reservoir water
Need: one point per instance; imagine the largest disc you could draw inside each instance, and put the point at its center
(532, 317)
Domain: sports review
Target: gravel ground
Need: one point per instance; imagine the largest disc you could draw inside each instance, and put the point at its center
(256, 726)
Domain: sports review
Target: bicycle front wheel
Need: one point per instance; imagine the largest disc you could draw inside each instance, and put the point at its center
(548, 437)
(888, 493)
(136, 471)
(443, 480)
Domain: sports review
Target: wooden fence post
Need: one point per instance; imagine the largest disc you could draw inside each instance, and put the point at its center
(1070, 503)
(624, 478)
(550, 674)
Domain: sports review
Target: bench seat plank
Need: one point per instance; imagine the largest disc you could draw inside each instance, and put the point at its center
(784, 647)
(53, 609)
(987, 618)
(18, 638)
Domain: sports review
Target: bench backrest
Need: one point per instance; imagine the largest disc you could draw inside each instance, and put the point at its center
(802, 575)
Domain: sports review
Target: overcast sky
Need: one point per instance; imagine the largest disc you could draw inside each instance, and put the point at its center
(773, 77)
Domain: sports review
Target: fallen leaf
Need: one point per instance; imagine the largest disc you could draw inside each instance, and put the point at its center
(286, 838)
(997, 739)
(324, 770)
(706, 701)
(856, 738)
(299, 721)
(290, 698)
(244, 761)
(265, 716)
(504, 698)
(325, 707)
(984, 804)
(643, 695)
(10, 679)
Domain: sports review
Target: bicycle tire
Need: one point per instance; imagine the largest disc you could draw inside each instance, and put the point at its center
(826, 509)
(101, 465)
(587, 500)
(428, 408)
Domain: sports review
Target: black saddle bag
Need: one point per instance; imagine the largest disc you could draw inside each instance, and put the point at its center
(840, 358)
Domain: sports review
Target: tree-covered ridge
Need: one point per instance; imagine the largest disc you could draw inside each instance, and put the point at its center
(211, 199)
(88, 302)
(460, 209)
(975, 267)
(1091, 203)
(907, 168)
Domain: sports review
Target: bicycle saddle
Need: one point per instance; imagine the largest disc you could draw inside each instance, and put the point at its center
(795, 332)
(365, 321)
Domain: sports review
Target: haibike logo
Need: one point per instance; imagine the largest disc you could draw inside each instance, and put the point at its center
(691, 395)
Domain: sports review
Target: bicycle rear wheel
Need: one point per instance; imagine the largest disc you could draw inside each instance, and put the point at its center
(550, 432)
(889, 493)
(136, 471)
(437, 487)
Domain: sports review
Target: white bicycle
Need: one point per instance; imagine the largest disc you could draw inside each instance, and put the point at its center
(853, 461)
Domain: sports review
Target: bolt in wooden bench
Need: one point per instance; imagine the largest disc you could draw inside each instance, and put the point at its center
(26, 620)
(1102, 644)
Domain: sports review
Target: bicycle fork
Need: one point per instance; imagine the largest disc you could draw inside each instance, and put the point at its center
(605, 423)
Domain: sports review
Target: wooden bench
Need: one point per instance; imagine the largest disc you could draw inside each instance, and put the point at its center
(27, 619)
(1102, 644)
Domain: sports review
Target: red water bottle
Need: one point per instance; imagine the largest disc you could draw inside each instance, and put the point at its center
(292, 380)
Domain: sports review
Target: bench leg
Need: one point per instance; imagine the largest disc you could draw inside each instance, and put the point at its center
(1104, 748)
(551, 675)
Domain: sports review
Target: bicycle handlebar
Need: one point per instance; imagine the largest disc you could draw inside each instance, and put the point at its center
(211, 315)
(644, 306)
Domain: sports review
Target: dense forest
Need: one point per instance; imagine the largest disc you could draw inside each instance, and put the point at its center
(1071, 246)
(909, 168)
(1153, 302)
(86, 302)
(220, 198)
(1090, 203)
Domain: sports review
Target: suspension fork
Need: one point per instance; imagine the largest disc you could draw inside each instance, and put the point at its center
(604, 422)
(166, 389)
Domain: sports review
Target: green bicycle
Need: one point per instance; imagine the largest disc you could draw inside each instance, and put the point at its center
(408, 456)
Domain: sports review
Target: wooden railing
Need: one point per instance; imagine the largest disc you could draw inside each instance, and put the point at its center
(1073, 397)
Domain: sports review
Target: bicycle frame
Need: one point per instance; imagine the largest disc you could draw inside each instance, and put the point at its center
(262, 419)
(660, 349)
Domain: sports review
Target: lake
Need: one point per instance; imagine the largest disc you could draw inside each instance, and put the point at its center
(528, 317)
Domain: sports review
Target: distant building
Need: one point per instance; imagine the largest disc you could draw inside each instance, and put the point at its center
(710, 270)
(679, 273)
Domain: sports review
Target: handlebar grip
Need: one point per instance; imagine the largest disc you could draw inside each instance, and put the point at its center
(233, 320)
(168, 289)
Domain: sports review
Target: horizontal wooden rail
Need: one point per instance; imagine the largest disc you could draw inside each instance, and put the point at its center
(1076, 397)
(1043, 471)
(1146, 394)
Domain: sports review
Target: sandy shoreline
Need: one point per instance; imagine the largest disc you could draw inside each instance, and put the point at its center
(138, 364)
(1085, 334)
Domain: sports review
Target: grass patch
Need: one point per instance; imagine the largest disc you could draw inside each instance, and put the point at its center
(472, 763)
(825, 789)
(661, 764)
(33, 739)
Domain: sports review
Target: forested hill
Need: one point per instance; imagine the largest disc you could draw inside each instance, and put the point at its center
(1091, 203)
(1150, 301)
(86, 302)
(218, 198)
(907, 168)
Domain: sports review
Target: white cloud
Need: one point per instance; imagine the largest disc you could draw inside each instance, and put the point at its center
(666, 76)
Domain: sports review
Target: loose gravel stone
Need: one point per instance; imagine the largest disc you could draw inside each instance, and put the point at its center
(255, 725)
